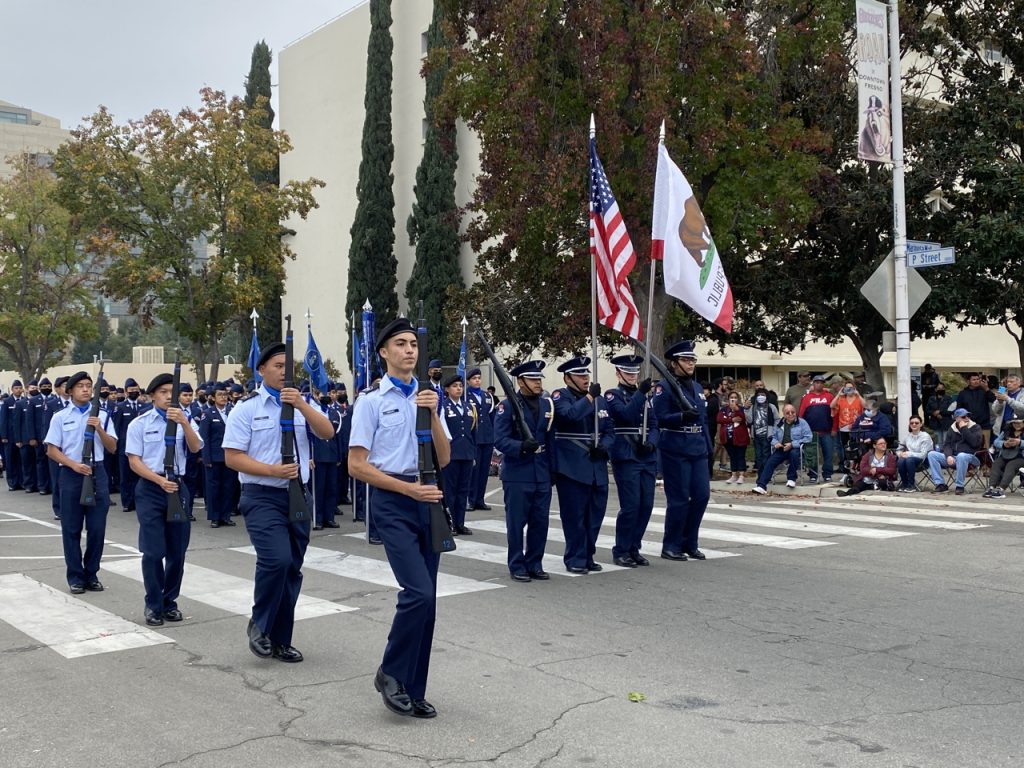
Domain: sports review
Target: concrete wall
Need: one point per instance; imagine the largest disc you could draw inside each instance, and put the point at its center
(42, 135)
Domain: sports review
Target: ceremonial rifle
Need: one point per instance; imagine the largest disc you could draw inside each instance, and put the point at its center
(88, 497)
(668, 379)
(441, 539)
(175, 509)
(298, 510)
(510, 391)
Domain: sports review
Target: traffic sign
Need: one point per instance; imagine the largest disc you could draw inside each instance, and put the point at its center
(917, 246)
(934, 258)
(880, 289)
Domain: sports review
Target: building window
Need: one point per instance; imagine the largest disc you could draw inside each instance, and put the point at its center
(992, 53)
(426, 126)
(424, 44)
(6, 116)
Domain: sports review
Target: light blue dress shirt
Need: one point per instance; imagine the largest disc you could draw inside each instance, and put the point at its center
(145, 439)
(254, 427)
(67, 432)
(384, 423)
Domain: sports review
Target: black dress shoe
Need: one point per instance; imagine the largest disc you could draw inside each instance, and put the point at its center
(482, 507)
(191, 518)
(173, 615)
(640, 559)
(696, 554)
(76, 589)
(423, 708)
(521, 577)
(345, 503)
(463, 531)
(574, 569)
(625, 562)
(318, 527)
(94, 586)
(669, 554)
(229, 522)
(540, 575)
(376, 540)
(259, 643)
(215, 523)
(359, 519)
(332, 524)
(287, 653)
(594, 567)
(393, 693)
(153, 618)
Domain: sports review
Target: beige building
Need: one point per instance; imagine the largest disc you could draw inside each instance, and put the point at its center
(22, 130)
(322, 79)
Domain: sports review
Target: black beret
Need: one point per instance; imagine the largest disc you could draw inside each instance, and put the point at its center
(186, 387)
(452, 379)
(158, 381)
(74, 378)
(472, 372)
(269, 351)
(43, 381)
(395, 327)
(61, 380)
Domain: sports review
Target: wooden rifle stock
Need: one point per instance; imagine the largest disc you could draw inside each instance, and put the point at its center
(175, 509)
(441, 538)
(298, 509)
(88, 496)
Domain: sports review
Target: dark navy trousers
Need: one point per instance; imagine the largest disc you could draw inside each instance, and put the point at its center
(635, 485)
(220, 482)
(481, 471)
(280, 546)
(457, 477)
(128, 482)
(42, 469)
(404, 526)
(581, 507)
(54, 468)
(73, 517)
(527, 505)
(325, 492)
(12, 464)
(687, 491)
(163, 545)
(28, 467)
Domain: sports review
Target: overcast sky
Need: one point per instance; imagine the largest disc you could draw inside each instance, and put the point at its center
(66, 57)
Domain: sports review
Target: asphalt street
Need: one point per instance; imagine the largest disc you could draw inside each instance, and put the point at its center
(870, 631)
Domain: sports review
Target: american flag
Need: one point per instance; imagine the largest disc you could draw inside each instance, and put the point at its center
(613, 255)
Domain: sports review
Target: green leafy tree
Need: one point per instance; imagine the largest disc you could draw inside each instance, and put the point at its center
(372, 266)
(433, 225)
(194, 239)
(974, 148)
(258, 95)
(49, 271)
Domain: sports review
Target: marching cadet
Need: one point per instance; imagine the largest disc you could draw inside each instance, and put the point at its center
(8, 433)
(162, 542)
(124, 413)
(486, 409)
(526, 471)
(345, 411)
(581, 463)
(324, 465)
(220, 478)
(383, 452)
(41, 414)
(252, 447)
(634, 461)
(685, 443)
(461, 419)
(56, 403)
(65, 439)
(26, 439)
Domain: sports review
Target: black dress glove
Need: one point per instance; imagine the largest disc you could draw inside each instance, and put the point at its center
(595, 389)
(645, 449)
(645, 386)
(598, 453)
(528, 447)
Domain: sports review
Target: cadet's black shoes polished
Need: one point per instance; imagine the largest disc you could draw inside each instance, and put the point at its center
(394, 694)
(259, 643)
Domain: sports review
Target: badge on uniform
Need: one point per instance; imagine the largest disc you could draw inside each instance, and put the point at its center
(501, 407)
(609, 396)
(658, 390)
(556, 394)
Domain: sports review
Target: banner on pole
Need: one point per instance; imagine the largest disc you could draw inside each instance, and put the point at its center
(874, 143)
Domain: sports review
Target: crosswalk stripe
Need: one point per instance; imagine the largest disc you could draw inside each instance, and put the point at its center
(379, 572)
(71, 627)
(943, 501)
(744, 537)
(948, 513)
(603, 541)
(56, 526)
(909, 522)
(30, 535)
(226, 592)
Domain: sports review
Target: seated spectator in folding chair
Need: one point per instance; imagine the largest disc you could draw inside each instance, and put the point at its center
(963, 441)
(877, 470)
(1008, 459)
(912, 454)
(789, 436)
(870, 425)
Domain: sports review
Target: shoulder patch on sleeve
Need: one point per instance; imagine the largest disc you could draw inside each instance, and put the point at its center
(556, 394)
(501, 407)
(658, 390)
(609, 396)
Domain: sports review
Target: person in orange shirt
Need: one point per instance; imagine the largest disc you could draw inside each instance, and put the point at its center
(845, 410)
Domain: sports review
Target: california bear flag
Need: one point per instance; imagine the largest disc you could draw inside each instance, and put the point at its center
(682, 240)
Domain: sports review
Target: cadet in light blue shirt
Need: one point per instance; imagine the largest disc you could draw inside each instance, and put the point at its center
(163, 542)
(65, 439)
(252, 447)
(383, 452)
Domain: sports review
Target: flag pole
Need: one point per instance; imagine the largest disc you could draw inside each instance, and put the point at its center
(465, 395)
(593, 301)
(650, 310)
(354, 371)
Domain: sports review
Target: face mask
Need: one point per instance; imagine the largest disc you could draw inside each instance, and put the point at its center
(133, 395)
(869, 412)
(342, 398)
(202, 399)
(104, 395)
(46, 390)
(940, 392)
(762, 399)
(325, 400)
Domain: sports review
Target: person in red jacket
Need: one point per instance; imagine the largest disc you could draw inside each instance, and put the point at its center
(877, 470)
(816, 410)
(734, 435)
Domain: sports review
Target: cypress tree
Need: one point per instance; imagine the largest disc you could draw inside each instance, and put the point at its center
(257, 83)
(433, 225)
(372, 266)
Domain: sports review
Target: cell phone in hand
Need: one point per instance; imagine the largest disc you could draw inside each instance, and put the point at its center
(1002, 390)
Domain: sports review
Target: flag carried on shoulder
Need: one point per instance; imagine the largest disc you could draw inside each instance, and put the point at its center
(613, 254)
(358, 357)
(314, 365)
(681, 239)
(254, 356)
